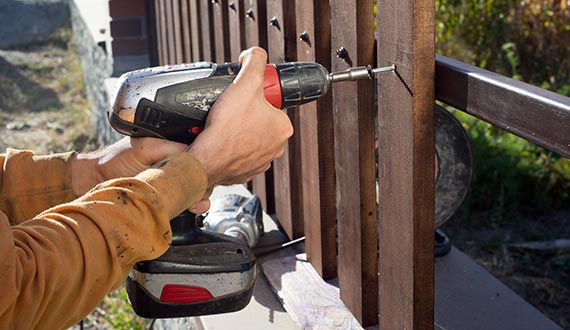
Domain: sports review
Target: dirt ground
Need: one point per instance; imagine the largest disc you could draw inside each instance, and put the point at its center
(43, 108)
(542, 279)
(42, 102)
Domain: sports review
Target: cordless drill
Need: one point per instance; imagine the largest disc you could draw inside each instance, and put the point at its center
(172, 102)
(203, 272)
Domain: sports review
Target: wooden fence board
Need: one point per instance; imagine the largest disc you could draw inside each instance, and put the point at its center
(169, 32)
(221, 30)
(286, 170)
(256, 35)
(152, 31)
(236, 17)
(162, 32)
(206, 30)
(317, 147)
(255, 24)
(195, 35)
(352, 28)
(185, 30)
(406, 163)
(177, 33)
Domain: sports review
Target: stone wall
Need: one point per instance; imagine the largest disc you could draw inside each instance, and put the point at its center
(27, 21)
(97, 69)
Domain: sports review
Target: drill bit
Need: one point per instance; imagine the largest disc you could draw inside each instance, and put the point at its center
(359, 73)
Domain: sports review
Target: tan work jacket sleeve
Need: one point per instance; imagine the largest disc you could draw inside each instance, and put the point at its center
(58, 265)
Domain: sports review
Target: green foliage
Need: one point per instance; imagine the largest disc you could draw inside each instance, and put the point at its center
(512, 175)
(119, 313)
(529, 41)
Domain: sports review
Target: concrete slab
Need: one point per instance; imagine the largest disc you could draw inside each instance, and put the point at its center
(264, 311)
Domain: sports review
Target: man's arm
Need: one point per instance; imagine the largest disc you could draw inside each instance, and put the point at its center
(57, 266)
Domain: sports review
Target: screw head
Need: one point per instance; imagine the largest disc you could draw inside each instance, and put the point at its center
(304, 36)
(274, 21)
(341, 53)
(232, 6)
(249, 13)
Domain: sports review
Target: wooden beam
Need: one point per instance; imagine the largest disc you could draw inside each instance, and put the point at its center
(178, 43)
(162, 32)
(236, 17)
(186, 28)
(256, 35)
(152, 31)
(207, 31)
(169, 32)
(406, 163)
(255, 24)
(353, 105)
(287, 169)
(221, 30)
(195, 35)
(317, 147)
(535, 114)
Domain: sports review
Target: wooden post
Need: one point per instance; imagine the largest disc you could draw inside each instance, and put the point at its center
(195, 35)
(207, 31)
(406, 163)
(287, 169)
(256, 35)
(162, 32)
(176, 32)
(236, 17)
(221, 30)
(255, 25)
(317, 147)
(152, 31)
(186, 27)
(353, 103)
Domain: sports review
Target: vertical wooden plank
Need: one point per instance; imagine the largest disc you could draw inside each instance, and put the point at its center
(177, 32)
(354, 116)
(207, 30)
(169, 32)
(286, 170)
(195, 35)
(406, 163)
(186, 30)
(221, 30)
(152, 30)
(255, 25)
(317, 147)
(236, 18)
(162, 35)
(256, 35)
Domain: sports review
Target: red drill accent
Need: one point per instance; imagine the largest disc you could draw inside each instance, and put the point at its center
(272, 86)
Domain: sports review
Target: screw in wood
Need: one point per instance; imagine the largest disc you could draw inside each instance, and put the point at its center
(341, 53)
(215, 2)
(274, 22)
(304, 36)
(232, 6)
(249, 14)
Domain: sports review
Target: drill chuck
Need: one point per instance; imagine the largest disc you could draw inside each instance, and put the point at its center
(299, 83)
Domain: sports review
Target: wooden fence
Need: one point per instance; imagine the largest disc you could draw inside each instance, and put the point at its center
(324, 187)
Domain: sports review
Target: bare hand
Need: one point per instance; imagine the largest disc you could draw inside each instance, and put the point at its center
(243, 132)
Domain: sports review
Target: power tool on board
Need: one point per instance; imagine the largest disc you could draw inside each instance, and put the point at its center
(209, 272)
